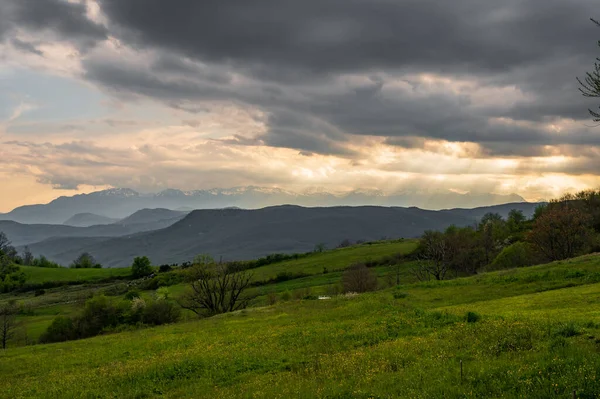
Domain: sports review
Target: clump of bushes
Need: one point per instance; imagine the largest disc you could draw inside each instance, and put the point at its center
(85, 261)
(42, 261)
(102, 314)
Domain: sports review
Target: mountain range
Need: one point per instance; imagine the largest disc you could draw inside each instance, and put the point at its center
(235, 234)
(103, 207)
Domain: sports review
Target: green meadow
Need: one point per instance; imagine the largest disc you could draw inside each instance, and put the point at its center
(530, 332)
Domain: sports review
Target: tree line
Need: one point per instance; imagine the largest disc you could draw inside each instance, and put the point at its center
(563, 228)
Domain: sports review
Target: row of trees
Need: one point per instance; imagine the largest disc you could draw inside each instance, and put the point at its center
(564, 228)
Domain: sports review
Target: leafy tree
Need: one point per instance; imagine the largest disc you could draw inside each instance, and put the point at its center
(215, 289)
(561, 232)
(359, 278)
(8, 321)
(589, 86)
(515, 221)
(10, 275)
(85, 261)
(141, 267)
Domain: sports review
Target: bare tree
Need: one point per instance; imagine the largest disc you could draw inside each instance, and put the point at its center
(4, 242)
(8, 322)
(433, 257)
(215, 289)
(27, 257)
(358, 278)
(590, 84)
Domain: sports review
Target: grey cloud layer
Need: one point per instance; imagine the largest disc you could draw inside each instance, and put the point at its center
(294, 56)
(68, 20)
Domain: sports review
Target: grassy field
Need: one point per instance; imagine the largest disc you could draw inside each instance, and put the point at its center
(531, 332)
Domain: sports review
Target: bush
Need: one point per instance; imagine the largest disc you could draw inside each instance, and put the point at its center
(519, 254)
(42, 261)
(359, 278)
(160, 312)
(164, 268)
(141, 267)
(61, 329)
(39, 292)
(85, 261)
(400, 295)
(472, 317)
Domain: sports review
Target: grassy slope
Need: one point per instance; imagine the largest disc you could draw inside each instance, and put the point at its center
(36, 275)
(538, 338)
(67, 300)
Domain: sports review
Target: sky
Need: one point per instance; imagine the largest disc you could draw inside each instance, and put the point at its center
(470, 96)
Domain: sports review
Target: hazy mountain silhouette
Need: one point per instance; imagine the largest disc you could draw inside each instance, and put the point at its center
(88, 219)
(121, 202)
(144, 220)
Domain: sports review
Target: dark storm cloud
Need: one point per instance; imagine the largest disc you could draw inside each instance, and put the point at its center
(331, 35)
(68, 20)
(292, 55)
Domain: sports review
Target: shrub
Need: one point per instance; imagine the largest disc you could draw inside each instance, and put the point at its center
(85, 261)
(39, 292)
(472, 317)
(42, 261)
(164, 268)
(99, 313)
(400, 295)
(160, 312)
(519, 254)
(141, 267)
(61, 329)
(132, 294)
(358, 278)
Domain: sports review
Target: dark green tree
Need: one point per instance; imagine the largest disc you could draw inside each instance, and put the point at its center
(141, 267)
